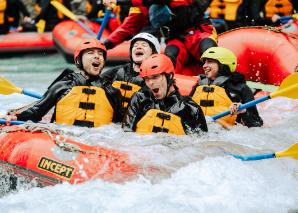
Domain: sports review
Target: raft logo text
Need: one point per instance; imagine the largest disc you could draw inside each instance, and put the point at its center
(55, 167)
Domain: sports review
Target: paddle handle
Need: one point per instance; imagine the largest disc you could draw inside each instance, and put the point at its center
(241, 107)
(104, 23)
(85, 27)
(3, 121)
(253, 157)
(31, 93)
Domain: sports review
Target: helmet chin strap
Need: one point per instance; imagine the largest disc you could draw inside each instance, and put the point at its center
(170, 81)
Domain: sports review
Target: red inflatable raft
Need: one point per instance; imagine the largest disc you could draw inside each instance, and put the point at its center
(50, 159)
(266, 55)
(26, 42)
(68, 35)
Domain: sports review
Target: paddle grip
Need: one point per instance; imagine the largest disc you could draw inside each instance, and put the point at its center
(241, 107)
(31, 93)
(104, 23)
(253, 157)
(3, 121)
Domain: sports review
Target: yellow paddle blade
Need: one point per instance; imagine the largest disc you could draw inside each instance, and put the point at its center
(288, 87)
(60, 7)
(7, 88)
(41, 24)
(290, 152)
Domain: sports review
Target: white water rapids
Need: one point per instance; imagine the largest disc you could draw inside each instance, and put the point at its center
(197, 175)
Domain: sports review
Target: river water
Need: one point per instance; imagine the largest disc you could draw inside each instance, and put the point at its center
(197, 177)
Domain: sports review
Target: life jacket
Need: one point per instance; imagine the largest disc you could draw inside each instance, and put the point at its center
(213, 100)
(156, 120)
(127, 89)
(84, 106)
(279, 7)
(3, 5)
(226, 9)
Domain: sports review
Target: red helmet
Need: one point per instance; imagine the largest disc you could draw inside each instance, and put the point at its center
(156, 64)
(88, 44)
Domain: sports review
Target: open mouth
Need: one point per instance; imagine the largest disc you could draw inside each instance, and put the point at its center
(155, 90)
(95, 64)
(139, 53)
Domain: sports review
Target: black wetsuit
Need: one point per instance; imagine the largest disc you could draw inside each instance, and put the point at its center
(62, 86)
(192, 117)
(237, 90)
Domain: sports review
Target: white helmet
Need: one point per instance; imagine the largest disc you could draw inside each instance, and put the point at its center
(152, 40)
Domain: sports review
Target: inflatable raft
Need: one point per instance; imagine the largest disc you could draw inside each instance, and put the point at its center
(68, 35)
(50, 159)
(26, 42)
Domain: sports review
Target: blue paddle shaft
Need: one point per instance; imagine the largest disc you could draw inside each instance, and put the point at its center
(104, 23)
(253, 157)
(243, 106)
(85, 27)
(31, 93)
(3, 121)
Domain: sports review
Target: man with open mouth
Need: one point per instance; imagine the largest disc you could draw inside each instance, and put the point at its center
(126, 77)
(161, 108)
(80, 98)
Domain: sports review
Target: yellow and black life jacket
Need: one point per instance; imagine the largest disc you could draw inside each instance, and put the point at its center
(127, 90)
(3, 5)
(84, 106)
(213, 100)
(226, 9)
(156, 120)
(279, 7)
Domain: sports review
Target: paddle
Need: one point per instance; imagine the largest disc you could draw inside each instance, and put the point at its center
(291, 152)
(72, 16)
(7, 88)
(104, 22)
(288, 88)
(3, 121)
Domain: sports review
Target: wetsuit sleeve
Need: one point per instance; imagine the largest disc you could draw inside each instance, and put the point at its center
(132, 115)
(114, 97)
(50, 98)
(133, 23)
(110, 74)
(193, 119)
(251, 117)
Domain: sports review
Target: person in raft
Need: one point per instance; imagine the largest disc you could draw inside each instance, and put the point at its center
(160, 107)
(222, 88)
(188, 34)
(80, 98)
(126, 77)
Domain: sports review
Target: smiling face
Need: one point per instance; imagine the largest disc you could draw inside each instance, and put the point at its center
(93, 61)
(157, 84)
(140, 51)
(211, 68)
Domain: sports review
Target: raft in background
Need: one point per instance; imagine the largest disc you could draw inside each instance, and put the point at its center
(26, 42)
(49, 158)
(67, 35)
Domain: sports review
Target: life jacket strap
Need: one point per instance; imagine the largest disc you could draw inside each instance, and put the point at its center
(88, 124)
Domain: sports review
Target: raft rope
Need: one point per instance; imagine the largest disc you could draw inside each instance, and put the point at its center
(273, 29)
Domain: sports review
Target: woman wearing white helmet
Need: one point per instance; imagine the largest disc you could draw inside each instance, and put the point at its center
(126, 77)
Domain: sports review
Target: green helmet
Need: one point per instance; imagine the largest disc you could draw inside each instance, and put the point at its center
(223, 55)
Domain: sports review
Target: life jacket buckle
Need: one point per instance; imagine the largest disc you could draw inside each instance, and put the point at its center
(89, 91)
(125, 87)
(163, 116)
(208, 89)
